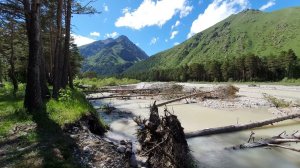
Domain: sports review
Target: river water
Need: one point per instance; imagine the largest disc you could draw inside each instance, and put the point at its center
(209, 151)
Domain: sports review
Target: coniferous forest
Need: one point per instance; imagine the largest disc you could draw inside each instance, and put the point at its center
(248, 67)
(36, 47)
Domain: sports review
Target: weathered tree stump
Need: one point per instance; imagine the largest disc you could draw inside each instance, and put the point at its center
(163, 140)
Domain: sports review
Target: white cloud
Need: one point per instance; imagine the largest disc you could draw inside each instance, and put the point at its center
(173, 34)
(176, 43)
(95, 34)
(176, 24)
(215, 12)
(111, 35)
(186, 11)
(268, 5)
(153, 12)
(81, 40)
(154, 40)
(105, 7)
(126, 10)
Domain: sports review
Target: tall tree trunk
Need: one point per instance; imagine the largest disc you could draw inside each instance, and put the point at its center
(52, 46)
(58, 63)
(66, 68)
(33, 97)
(11, 71)
(43, 78)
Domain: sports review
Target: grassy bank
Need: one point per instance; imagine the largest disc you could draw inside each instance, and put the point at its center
(37, 140)
(101, 82)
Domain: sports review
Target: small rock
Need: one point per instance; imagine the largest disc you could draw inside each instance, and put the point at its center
(73, 136)
(122, 142)
(58, 153)
(121, 149)
(128, 151)
(86, 149)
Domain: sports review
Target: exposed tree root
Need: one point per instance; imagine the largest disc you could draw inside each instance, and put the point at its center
(163, 141)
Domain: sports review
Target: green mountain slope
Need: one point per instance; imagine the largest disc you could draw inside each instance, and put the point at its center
(111, 56)
(250, 31)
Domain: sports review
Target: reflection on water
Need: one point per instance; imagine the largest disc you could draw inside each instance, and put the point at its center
(209, 151)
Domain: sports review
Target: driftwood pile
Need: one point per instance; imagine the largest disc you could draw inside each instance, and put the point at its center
(172, 92)
(163, 140)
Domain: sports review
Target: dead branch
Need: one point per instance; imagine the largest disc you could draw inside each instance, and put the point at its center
(275, 141)
(183, 97)
(284, 147)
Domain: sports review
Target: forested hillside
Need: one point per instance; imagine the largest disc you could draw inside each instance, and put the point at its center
(265, 35)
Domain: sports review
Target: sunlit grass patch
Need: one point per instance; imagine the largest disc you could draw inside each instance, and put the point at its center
(70, 107)
(101, 82)
(11, 110)
(279, 103)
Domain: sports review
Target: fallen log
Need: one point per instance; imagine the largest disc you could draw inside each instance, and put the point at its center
(128, 96)
(122, 90)
(233, 128)
(183, 97)
(273, 142)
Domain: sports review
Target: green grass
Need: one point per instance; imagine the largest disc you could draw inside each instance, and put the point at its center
(279, 103)
(11, 110)
(101, 82)
(40, 143)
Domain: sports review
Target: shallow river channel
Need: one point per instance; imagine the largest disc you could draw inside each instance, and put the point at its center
(209, 151)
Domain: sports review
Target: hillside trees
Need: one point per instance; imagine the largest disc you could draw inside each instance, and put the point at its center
(11, 47)
(249, 67)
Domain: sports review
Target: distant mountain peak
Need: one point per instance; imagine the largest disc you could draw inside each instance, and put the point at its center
(123, 37)
(111, 56)
(108, 40)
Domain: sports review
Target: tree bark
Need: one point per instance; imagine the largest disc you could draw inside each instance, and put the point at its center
(58, 63)
(11, 71)
(234, 128)
(66, 76)
(43, 78)
(33, 97)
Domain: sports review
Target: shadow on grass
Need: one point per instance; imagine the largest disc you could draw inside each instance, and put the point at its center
(56, 147)
(45, 145)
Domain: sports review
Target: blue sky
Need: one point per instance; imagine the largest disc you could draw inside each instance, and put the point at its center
(156, 25)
